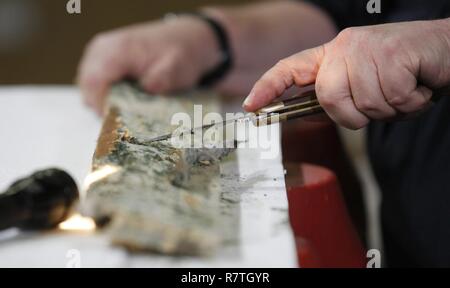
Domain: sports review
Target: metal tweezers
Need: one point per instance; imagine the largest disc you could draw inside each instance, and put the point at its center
(301, 105)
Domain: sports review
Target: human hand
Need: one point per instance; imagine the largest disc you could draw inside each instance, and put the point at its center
(163, 56)
(372, 72)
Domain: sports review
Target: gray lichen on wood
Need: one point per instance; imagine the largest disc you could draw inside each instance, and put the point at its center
(161, 198)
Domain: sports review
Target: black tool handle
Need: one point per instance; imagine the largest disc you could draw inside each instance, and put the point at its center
(13, 210)
(39, 201)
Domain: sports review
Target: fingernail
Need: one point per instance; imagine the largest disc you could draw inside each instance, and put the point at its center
(247, 101)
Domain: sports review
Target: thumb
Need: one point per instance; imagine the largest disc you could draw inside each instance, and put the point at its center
(300, 69)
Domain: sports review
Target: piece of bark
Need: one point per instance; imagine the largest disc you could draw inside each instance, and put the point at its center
(156, 197)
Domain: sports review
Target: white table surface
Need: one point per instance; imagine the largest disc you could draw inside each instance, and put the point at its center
(47, 126)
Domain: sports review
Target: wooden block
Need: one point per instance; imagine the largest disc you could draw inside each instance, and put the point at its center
(155, 196)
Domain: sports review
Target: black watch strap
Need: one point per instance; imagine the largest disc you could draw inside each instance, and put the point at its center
(217, 73)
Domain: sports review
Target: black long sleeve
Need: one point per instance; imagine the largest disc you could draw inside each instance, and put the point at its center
(347, 13)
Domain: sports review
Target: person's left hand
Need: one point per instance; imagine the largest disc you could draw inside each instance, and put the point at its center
(372, 72)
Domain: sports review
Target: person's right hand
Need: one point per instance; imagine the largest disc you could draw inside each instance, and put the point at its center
(163, 56)
(370, 72)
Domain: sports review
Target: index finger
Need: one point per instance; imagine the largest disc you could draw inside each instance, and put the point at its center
(300, 69)
(98, 69)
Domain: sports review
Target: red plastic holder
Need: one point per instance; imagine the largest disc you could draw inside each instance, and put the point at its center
(325, 235)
